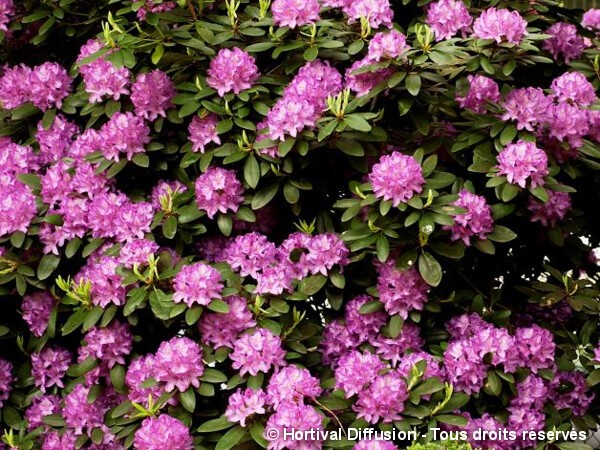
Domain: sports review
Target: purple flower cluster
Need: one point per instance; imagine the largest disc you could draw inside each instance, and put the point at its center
(448, 17)
(295, 13)
(552, 211)
(573, 87)
(257, 351)
(523, 162)
(401, 291)
(163, 433)
(197, 284)
(377, 12)
(152, 94)
(148, 6)
(303, 100)
(245, 403)
(591, 20)
(363, 83)
(223, 329)
(481, 91)
(476, 221)
(565, 42)
(36, 311)
(387, 45)
(232, 70)
(49, 366)
(6, 380)
(203, 130)
(7, 10)
(500, 25)
(218, 190)
(396, 177)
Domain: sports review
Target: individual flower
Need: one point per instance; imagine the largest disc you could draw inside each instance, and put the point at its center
(377, 12)
(178, 364)
(232, 70)
(7, 10)
(387, 45)
(163, 433)
(203, 130)
(574, 87)
(534, 349)
(17, 205)
(41, 406)
(363, 83)
(523, 162)
(527, 106)
(222, 329)
(401, 291)
(481, 91)
(447, 17)
(591, 20)
(245, 403)
(50, 84)
(102, 79)
(198, 284)
(292, 383)
(152, 94)
(383, 400)
(500, 25)
(396, 177)
(564, 42)
(6, 380)
(355, 370)
(552, 211)
(49, 366)
(218, 189)
(295, 13)
(476, 221)
(293, 416)
(257, 351)
(36, 311)
(532, 392)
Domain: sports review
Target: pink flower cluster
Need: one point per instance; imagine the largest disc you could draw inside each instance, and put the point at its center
(7, 10)
(591, 20)
(148, 6)
(197, 284)
(397, 178)
(523, 162)
(45, 86)
(6, 380)
(448, 17)
(203, 130)
(500, 25)
(49, 366)
(476, 221)
(232, 70)
(401, 291)
(552, 211)
(257, 351)
(303, 101)
(36, 311)
(223, 329)
(481, 91)
(295, 13)
(152, 94)
(565, 42)
(217, 190)
(163, 433)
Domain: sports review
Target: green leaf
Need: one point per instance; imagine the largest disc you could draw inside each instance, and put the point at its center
(264, 196)
(188, 400)
(313, 284)
(192, 315)
(169, 227)
(311, 53)
(357, 123)
(257, 430)
(252, 171)
(218, 305)
(213, 376)
(413, 84)
(508, 134)
(158, 53)
(371, 307)
(502, 234)
(141, 159)
(225, 224)
(117, 377)
(395, 326)
(383, 248)
(594, 378)
(429, 386)
(493, 384)
(430, 269)
(215, 425)
(573, 446)
(231, 438)
(48, 264)
(452, 419)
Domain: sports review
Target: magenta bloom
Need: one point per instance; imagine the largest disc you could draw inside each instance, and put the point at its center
(522, 162)
(103, 79)
(137, 252)
(570, 391)
(568, 123)
(257, 351)
(17, 205)
(531, 392)
(203, 131)
(447, 17)
(551, 212)
(15, 86)
(363, 326)
(197, 284)
(500, 25)
(481, 91)
(152, 94)
(221, 330)
(50, 84)
(232, 71)
(36, 311)
(527, 106)
(464, 367)
(245, 403)
(476, 221)
(363, 83)
(218, 190)
(378, 12)
(573, 87)
(355, 370)
(292, 383)
(393, 349)
(7, 10)
(591, 20)
(109, 344)
(41, 407)
(535, 349)
(295, 13)
(6, 380)
(401, 291)
(564, 42)
(388, 45)
(374, 445)
(55, 441)
(163, 433)
(396, 177)
(55, 141)
(290, 115)
(140, 370)
(81, 415)
(296, 416)
(49, 366)
(178, 364)
(124, 133)
(383, 400)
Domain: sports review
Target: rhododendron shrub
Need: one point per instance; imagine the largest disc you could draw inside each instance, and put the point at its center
(221, 220)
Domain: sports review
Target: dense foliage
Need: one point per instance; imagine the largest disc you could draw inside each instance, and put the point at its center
(223, 219)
